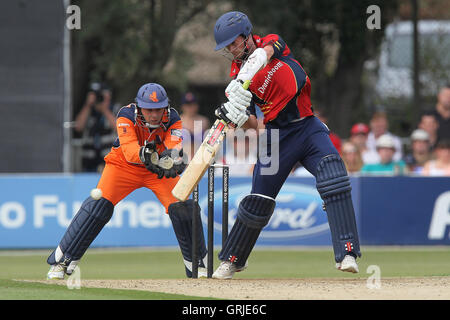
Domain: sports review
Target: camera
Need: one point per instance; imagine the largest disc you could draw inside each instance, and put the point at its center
(97, 88)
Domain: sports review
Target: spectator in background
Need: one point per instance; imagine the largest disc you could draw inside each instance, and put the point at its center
(430, 124)
(420, 151)
(96, 124)
(241, 153)
(351, 157)
(385, 145)
(440, 166)
(194, 123)
(379, 126)
(298, 170)
(442, 113)
(358, 136)
(335, 139)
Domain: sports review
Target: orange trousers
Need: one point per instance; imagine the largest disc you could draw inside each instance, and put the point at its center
(118, 181)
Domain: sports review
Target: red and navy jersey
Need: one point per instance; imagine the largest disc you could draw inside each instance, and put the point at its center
(282, 89)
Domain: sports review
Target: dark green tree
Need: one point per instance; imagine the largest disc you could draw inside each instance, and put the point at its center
(126, 42)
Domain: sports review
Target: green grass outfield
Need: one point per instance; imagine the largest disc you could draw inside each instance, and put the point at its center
(136, 263)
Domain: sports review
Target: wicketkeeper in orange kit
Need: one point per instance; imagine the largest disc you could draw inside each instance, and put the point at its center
(147, 153)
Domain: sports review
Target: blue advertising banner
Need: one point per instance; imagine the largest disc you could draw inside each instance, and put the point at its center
(298, 218)
(35, 211)
(404, 210)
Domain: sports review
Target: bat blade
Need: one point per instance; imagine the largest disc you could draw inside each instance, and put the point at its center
(202, 158)
(201, 161)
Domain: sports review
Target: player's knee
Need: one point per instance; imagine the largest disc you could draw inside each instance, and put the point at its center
(256, 210)
(332, 179)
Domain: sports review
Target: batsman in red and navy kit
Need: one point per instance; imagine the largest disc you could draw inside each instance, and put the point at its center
(281, 89)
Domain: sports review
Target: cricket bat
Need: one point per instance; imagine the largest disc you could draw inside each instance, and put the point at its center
(202, 158)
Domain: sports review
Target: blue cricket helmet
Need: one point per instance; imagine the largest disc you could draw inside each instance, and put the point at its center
(229, 26)
(152, 96)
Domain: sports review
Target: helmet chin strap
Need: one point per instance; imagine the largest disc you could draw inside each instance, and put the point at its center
(152, 126)
(246, 53)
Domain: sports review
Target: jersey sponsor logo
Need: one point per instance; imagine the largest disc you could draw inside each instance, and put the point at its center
(153, 97)
(123, 126)
(176, 132)
(268, 77)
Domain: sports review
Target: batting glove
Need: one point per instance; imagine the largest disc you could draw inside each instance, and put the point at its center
(235, 110)
(230, 114)
(237, 95)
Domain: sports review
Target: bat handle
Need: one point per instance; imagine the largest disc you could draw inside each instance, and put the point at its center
(246, 84)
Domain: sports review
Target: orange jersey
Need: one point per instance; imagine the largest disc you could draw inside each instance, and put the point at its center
(124, 172)
(132, 135)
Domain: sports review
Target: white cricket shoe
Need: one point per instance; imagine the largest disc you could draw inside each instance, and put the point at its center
(227, 269)
(348, 264)
(56, 272)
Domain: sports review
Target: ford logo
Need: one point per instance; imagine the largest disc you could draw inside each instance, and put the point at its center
(298, 212)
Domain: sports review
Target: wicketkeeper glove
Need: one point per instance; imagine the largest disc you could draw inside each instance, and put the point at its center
(172, 162)
(150, 158)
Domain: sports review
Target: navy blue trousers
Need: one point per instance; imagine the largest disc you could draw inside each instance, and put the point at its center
(305, 141)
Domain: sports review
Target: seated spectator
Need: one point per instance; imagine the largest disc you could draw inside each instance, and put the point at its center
(387, 165)
(96, 124)
(358, 136)
(420, 151)
(241, 153)
(442, 113)
(379, 126)
(351, 157)
(440, 166)
(194, 124)
(430, 124)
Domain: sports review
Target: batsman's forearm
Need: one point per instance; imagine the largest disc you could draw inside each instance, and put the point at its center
(269, 51)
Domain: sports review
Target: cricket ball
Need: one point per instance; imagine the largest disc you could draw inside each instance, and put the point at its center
(96, 194)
